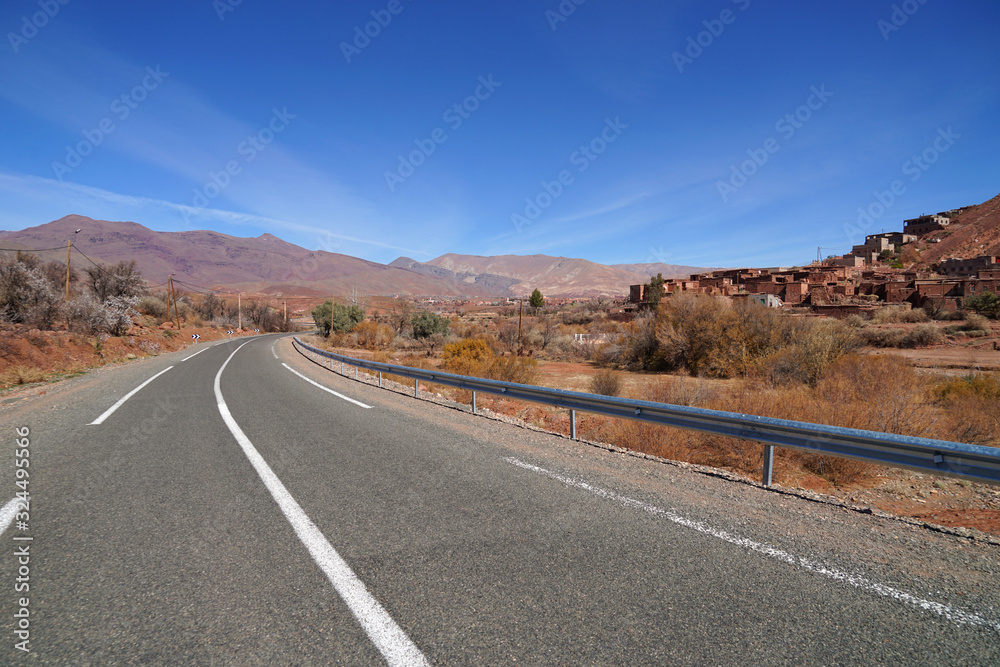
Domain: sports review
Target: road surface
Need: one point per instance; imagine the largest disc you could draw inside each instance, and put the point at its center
(235, 511)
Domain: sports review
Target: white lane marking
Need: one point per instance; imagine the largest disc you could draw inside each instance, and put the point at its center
(389, 638)
(272, 349)
(110, 411)
(958, 616)
(8, 512)
(195, 354)
(346, 398)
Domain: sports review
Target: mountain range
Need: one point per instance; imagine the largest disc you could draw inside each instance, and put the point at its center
(268, 265)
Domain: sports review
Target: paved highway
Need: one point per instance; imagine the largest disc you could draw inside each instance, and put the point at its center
(235, 511)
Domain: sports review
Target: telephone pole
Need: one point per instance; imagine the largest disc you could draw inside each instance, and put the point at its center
(69, 244)
(239, 309)
(172, 294)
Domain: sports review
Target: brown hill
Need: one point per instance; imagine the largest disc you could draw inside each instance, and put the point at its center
(269, 265)
(265, 264)
(974, 231)
(558, 276)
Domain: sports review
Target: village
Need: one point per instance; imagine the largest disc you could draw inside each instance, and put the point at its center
(870, 276)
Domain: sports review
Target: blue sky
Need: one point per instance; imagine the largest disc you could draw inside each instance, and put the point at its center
(725, 133)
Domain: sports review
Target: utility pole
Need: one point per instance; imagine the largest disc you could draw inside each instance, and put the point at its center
(520, 313)
(239, 309)
(69, 244)
(284, 306)
(172, 294)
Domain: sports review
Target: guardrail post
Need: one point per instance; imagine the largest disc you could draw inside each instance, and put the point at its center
(473, 402)
(416, 387)
(355, 372)
(380, 379)
(768, 464)
(572, 424)
(341, 366)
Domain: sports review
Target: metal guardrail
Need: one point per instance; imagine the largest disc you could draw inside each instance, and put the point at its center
(955, 459)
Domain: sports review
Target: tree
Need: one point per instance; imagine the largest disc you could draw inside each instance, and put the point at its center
(330, 316)
(426, 324)
(536, 300)
(655, 291)
(987, 304)
(122, 280)
(400, 315)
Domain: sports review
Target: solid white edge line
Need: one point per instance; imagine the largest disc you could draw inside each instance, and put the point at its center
(272, 349)
(957, 616)
(195, 354)
(346, 398)
(8, 512)
(110, 411)
(388, 638)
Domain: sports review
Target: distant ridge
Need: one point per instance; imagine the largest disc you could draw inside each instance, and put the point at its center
(269, 265)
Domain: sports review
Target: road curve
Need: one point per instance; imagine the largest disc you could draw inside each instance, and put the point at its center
(158, 536)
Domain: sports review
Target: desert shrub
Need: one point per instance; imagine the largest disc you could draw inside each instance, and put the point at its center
(923, 335)
(676, 390)
(606, 382)
(883, 337)
(425, 324)
(26, 295)
(899, 315)
(470, 356)
(976, 322)
(855, 321)
(971, 408)
(522, 370)
(122, 281)
(154, 306)
(373, 336)
(687, 331)
(89, 316)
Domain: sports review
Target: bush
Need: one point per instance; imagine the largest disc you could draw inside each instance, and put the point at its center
(883, 337)
(26, 295)
(606, 382)
(335, 317)
(373, 336)
(155, 307)
(87, 315)
(426, 324)
(470, 356)
(987, 304)
(923, 335)
(899, 315)
(522, 370)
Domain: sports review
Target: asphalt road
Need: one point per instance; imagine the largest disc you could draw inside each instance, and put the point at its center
(230, 512)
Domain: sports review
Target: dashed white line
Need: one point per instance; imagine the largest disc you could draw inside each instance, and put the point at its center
(389, 638)
(195, 354)
(8, 512)
(346, 398)
(957, 616)
(110, 411)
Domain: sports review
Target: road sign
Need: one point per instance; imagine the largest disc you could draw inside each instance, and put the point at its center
(256, 330)
(196, 336)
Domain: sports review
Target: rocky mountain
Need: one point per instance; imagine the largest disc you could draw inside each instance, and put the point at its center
(555, 276)
(974, 231)
(268, 265)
